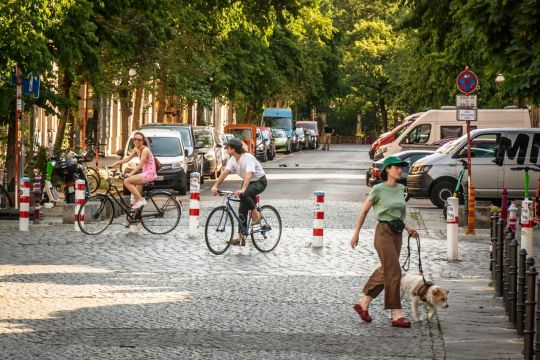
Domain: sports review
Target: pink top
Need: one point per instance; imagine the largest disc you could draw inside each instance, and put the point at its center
(149, 168)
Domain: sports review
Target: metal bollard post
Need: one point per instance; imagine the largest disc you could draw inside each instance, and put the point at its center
(521, 291)
(318, 220)
(194, 207)
(37, 199)
(494, 219)
(530, 312)
(512, 217)
(512, 288)
(452, 223)
(504, 204)
(80, 189)
(506, 266)
(499, 265)
(24, 204)
(526, 226)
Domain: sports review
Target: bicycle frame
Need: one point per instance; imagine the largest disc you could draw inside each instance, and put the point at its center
(244, 229)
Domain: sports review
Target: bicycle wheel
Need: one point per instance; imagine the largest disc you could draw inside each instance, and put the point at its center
(162, 213)
(93, 183)
(98, 214)
(219, 230)
(268, 231)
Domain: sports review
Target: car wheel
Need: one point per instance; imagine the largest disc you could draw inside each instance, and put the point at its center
(270, 155)
(442, 191)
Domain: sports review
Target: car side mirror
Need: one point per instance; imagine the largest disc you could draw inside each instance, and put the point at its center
(186, 152)
(199, 145)
(120, 152)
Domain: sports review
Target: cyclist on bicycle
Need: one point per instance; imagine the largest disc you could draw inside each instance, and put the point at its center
(134, 182)
(254, 181)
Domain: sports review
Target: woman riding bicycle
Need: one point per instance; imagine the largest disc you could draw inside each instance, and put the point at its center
(134, 182)
(251, 171)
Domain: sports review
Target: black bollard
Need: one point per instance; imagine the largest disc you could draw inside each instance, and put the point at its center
(506, 266)
(530, 307)
(494, 219)
(521, 291)
(499, 264)
(512, 288)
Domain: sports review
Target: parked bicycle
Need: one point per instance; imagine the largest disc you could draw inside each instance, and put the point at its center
(219, 229)
(160, 216)
(92, 174)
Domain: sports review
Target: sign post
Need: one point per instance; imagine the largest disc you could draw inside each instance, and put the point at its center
(467, 111)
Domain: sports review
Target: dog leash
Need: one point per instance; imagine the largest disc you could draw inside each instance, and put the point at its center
(407, 263)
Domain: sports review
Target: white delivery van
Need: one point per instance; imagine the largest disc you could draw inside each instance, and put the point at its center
(494, 153)
(435, 125)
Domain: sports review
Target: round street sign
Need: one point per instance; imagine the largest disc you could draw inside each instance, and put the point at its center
(467, 81)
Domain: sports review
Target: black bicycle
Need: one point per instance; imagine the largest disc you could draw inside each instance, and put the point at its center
(160, 216)
(219, 229)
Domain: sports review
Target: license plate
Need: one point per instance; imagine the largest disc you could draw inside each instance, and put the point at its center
(160, 178)
(71, 189)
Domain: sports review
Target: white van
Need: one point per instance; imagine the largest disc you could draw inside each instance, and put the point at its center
(494, 153)
(435, 125)
(167, 146)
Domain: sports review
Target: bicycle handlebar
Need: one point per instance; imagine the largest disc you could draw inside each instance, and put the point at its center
(114, 173)
(525, 168)
(225, 193)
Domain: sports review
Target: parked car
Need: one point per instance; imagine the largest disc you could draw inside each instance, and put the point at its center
(311, 126)
(494, 152)
(224, 154)
(282, 141)
(211, 151)
(267, 134)
(295, 146)
(435, 125)
(312, 140)
(194, 160)
(301, 134)
(389, 136)
(167, 146)
(373, 174)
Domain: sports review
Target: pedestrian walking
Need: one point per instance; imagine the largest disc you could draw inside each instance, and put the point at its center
(328, 131)
(388, 202)
(254, 182)
(134, 181)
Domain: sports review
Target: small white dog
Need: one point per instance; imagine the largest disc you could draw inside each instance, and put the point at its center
(418, 290)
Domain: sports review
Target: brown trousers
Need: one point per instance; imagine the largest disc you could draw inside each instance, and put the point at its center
(386, 277)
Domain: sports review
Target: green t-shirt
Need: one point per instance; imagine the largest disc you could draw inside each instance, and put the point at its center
(388, 202)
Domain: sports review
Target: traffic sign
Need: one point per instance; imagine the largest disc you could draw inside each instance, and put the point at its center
(466, 101)
(467, 115)
(31, 85)
(467, 81)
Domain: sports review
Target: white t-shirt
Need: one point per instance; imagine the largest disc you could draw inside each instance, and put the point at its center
(247, 163)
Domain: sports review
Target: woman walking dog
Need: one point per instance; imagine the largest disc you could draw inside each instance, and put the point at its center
(388, 202)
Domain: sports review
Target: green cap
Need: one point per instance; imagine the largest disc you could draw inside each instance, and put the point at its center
(394, 160)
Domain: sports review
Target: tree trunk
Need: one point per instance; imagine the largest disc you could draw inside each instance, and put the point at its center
(384, 114)
(10, 156)
(162, 94)
(137, 107)
(125, 112)
(67, 83)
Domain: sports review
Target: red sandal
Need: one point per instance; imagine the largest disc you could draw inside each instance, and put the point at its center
(364, 315)
(401, 322)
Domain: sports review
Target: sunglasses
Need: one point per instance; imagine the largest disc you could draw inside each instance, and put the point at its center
(137, 139)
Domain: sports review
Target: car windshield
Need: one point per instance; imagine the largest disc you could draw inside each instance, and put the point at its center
(242, 134)
(162, 146)
(400, 131)
(309, 126)
(300, 132)
(205, 138)
(186, 136)
(278, 122)
(278, 133)
(449, 147)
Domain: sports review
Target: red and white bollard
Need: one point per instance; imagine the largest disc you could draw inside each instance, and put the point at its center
(318, 221)
(527, 226)
(24, 204)
(194, 208)
(512, 216)
(80, 189)
(452, 223)
(37, 199)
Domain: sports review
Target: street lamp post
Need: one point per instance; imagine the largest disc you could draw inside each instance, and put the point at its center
(499, 80)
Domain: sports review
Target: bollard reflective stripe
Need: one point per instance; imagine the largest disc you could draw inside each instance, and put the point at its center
(80, 188)
(37, 199)
(452, 223)
(194, 205)
(526, 226)
(512, 217)
(318, 220)
(24, 204)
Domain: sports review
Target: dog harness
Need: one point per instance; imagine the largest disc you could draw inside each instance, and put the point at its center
(422, 290)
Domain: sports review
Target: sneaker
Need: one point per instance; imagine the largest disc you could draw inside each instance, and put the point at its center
(140, 204)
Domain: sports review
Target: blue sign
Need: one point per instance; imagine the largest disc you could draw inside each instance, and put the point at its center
(31, 85)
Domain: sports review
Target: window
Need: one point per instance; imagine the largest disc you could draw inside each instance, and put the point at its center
(482, 146)
(205, 138)
(451, 132)
(418, 135)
